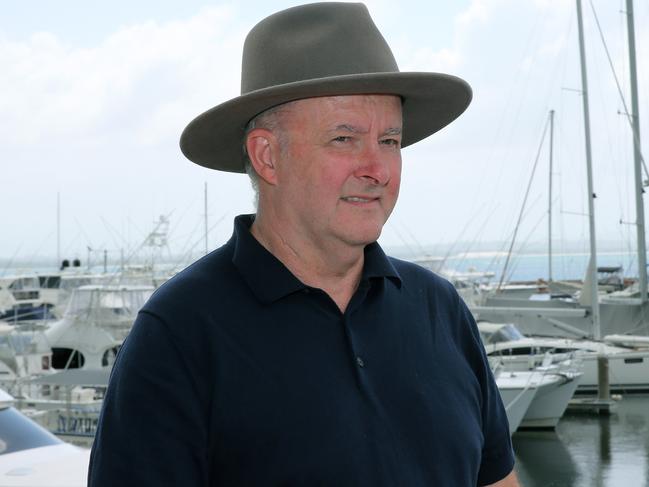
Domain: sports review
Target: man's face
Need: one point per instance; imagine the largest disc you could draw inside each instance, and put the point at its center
(339, 174)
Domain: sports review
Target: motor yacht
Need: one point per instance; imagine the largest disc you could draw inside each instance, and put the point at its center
(32, 456)
(628, 366)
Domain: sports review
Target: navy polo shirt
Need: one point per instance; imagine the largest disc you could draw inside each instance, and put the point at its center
(237, 374)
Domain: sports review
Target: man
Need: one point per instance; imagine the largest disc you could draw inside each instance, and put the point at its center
(298, 354)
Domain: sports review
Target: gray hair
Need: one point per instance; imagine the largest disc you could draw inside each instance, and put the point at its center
(269, 120)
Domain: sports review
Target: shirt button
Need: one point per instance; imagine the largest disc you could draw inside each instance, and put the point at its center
(360, 362)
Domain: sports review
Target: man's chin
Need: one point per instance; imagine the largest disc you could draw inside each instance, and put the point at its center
(363, 237)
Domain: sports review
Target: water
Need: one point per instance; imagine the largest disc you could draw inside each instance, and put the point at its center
(589, 450)
(586, 450)
(522, 267)
(534, 266)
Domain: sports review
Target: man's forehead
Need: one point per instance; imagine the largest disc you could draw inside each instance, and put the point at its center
(343, 109)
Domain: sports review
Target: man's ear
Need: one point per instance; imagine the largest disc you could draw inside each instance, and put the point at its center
(264, 151)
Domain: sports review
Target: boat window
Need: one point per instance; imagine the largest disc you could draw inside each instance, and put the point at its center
(49, 282)
(73, 282)
(99, 303)
(634, 360)
(562, 350)
(24, 283)
(109, 356)
(17, 433)
(513, 351)
(506, 333)
(67, 358)
(26, 295)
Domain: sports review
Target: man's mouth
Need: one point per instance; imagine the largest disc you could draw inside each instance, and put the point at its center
(359, 199)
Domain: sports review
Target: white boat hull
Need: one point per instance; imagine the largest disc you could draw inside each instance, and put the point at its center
(550, 402)
(517, 397)
(48, 466)
(628, 371)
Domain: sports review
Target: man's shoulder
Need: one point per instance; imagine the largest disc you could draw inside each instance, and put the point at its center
(415, 275)
(203, 281)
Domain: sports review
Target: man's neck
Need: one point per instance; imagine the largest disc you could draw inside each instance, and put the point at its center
(337, 271)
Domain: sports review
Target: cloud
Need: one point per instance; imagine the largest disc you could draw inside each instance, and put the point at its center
(427, 59)
(478, 12)
(53, 90)
(101, 124)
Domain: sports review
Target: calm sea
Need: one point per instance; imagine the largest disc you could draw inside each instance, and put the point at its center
(528, 267)
(588, 450)
(521, 267)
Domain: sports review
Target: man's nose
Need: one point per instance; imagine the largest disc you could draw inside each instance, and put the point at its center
(374, 165)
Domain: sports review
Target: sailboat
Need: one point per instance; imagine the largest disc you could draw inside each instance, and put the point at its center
(588, 314)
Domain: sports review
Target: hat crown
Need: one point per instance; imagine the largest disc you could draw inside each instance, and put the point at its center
(313, 41)
(320, 49)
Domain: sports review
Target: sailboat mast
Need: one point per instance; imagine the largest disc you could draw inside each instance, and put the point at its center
(550, 199)
(58, 229)
(637, 157)
(592, 265)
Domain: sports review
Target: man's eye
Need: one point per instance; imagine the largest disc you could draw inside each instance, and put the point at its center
(342, 138)
(394, 142)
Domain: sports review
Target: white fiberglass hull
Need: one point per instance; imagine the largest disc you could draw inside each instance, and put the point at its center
(628, 367)
(60, 465)
(628, 370)
(517, 395)
(550, 402)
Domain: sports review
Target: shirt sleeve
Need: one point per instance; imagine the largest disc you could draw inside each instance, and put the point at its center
(497, 453)
(153, 427)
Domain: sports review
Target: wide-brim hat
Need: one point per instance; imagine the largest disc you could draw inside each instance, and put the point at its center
(320, 49)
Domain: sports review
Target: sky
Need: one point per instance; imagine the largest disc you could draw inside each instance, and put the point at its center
(94, 96)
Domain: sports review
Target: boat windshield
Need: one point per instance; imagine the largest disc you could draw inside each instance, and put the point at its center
(507, 333)
(103, 303)
(17, 433)
(19, 343)
(24, 283)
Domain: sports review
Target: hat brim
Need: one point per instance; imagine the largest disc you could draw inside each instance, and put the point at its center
(430, 101)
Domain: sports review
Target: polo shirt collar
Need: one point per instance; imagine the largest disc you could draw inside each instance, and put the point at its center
(266, 276)
(377, 264)
(270, 280)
